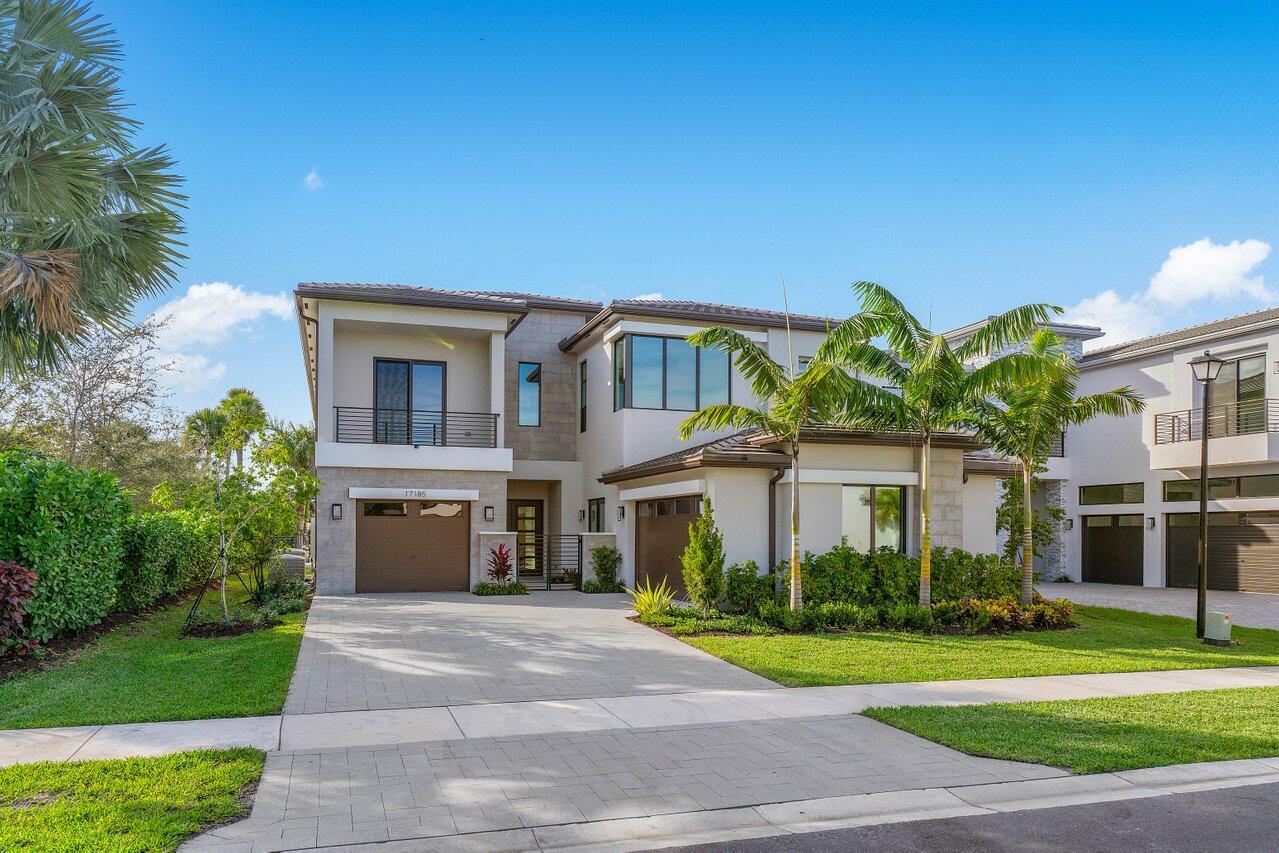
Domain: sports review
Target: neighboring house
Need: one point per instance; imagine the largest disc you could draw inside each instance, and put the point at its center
(449, 422)
(1131, 487)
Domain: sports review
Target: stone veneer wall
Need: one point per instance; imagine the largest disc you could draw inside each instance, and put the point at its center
(1053, 562)
(537, 339)
(947, 480)
(335, 540)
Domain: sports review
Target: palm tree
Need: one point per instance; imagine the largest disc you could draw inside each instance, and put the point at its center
(246, 417)
(936, 392)
(786, 405)
(1027, 417)
(291, 449)
(91, 222)
(206, 430)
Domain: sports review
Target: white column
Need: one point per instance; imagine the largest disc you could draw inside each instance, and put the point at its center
(497, 382)
(324, 375)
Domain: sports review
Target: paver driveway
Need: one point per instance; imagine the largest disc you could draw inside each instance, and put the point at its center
(1255, 609)
(371, 652)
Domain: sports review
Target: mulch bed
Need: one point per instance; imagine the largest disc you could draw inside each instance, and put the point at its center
(229, 629)
(59, 649)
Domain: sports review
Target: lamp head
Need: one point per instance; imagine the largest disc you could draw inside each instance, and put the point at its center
(1206, 367)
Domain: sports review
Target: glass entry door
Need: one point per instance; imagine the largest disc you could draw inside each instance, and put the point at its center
(526, 518)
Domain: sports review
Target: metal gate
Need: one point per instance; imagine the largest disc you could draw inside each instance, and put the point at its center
(556, 563)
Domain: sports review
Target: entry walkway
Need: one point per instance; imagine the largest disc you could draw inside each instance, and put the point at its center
(1254, 609)
(386, 728)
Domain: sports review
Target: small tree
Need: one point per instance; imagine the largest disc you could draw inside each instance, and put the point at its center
(703, 560)
(1010, 519)
(605, 561)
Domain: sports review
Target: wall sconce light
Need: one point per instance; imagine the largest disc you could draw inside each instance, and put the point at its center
(1068, 524)
(1150, 522)
(621, 511)
(335, 512)
(488, 513)
(581, 515)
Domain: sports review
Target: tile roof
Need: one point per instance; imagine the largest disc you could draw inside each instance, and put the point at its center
(541, 300)
(409, 294)
(702, 312)
(1153, 343)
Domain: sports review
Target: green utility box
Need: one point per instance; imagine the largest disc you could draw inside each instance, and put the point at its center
(1217, 629)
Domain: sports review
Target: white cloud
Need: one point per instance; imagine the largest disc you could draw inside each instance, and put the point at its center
(313, 181)
(188, 373)
(650, 297)
(1191, 273)
(207, 314)
(1203, 268)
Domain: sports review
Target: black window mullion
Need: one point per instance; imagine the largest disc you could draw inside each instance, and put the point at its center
(665, 407)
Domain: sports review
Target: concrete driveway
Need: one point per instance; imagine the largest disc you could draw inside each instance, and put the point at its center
(1254, 609)
(371, 652)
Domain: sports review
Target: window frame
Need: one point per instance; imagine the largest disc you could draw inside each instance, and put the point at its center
(623, 393)
(1140, 500)
(595, 515)
(519, 393)
(581, 392)
(1236, 488)
(903, 534)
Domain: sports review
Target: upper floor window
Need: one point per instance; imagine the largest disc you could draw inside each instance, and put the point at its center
(1113, 493)
(408, 401)
(1257, 486)
(530, 394)
(651, 372)
(581, 397)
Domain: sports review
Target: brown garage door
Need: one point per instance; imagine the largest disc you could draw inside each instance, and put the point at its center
(1243, 551)
(412, 546)
(661, 534)
(1113, 549)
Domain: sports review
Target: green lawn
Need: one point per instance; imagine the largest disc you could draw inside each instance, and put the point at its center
(1106, 641)
(1100, 735)
(143, 672)
(123, 805)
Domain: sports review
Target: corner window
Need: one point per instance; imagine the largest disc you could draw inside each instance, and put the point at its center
(1112, 493)
(874, 517)
(530, 394)
(595, 515)
(652, 372)
(581, 397)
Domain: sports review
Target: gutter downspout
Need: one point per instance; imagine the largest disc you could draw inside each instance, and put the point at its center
(772, 518)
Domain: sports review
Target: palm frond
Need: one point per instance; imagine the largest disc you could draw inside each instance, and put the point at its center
(1005, 330)
(765, 376)
(728, 416)
(904, 333)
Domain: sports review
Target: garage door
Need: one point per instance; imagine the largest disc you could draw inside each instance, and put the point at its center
(661, 534)
(412, 546)
(1243, 551)
(1113, 549)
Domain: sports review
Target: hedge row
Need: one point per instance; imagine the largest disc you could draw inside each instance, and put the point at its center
(73, 528)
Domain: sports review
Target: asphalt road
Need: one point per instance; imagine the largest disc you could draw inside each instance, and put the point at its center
(1234, 819)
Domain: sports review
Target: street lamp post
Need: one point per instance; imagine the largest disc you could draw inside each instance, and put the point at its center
(1205, 367)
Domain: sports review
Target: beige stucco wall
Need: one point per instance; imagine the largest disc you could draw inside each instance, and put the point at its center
(981, 498)
(467, 375)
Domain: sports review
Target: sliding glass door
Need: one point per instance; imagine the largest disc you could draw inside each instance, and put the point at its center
(409, 400)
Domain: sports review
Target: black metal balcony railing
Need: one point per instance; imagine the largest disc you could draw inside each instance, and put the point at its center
(418, 427)
(1243, 418)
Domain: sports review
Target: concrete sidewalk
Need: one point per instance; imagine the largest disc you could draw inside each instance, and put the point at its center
(354, 729)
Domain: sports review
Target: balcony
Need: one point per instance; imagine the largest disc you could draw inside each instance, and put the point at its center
(1242, 433)
(418, 427)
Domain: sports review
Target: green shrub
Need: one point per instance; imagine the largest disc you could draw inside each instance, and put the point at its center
(508, 588)
(649, 600)
(164, 553)
(703, 560)
(894, 578)
(593, 586)
(686, 621)
(905, 616)
(996, 615)
(63, 523)
(745, 588)
(958, 574)
(605, 561)
(851, 617)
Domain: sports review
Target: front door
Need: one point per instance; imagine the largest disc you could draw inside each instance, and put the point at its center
(527, 518)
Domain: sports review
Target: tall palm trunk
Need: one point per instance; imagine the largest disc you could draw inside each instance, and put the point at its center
(796, 588)
(1027, 539)
(925, 526)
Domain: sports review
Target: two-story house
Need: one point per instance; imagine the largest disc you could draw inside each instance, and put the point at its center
(1132, 499)
(449, 423)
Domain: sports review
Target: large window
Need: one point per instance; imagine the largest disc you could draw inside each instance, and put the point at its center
(874, 517)
(651, 372)
(595, 515)
(1260, 486)
(1112, 493)
(530, 394)
(408, 401)
(581, 397)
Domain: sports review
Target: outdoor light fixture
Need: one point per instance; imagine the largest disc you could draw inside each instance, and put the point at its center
(335, 512)
(581, 515)
(1205, 368)
(621, 511)
(1150, 522)
(488, 513)
(1069, 524)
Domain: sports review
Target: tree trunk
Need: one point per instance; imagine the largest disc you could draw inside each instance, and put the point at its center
(796, 588)
(1027, 540)
(925, 527)
(217, 498)
(239, 459)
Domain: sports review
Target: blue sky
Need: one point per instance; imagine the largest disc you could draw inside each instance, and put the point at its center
(968, 156)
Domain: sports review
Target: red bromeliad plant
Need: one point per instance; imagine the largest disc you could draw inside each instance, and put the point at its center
(17, 585)
(499, 570)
